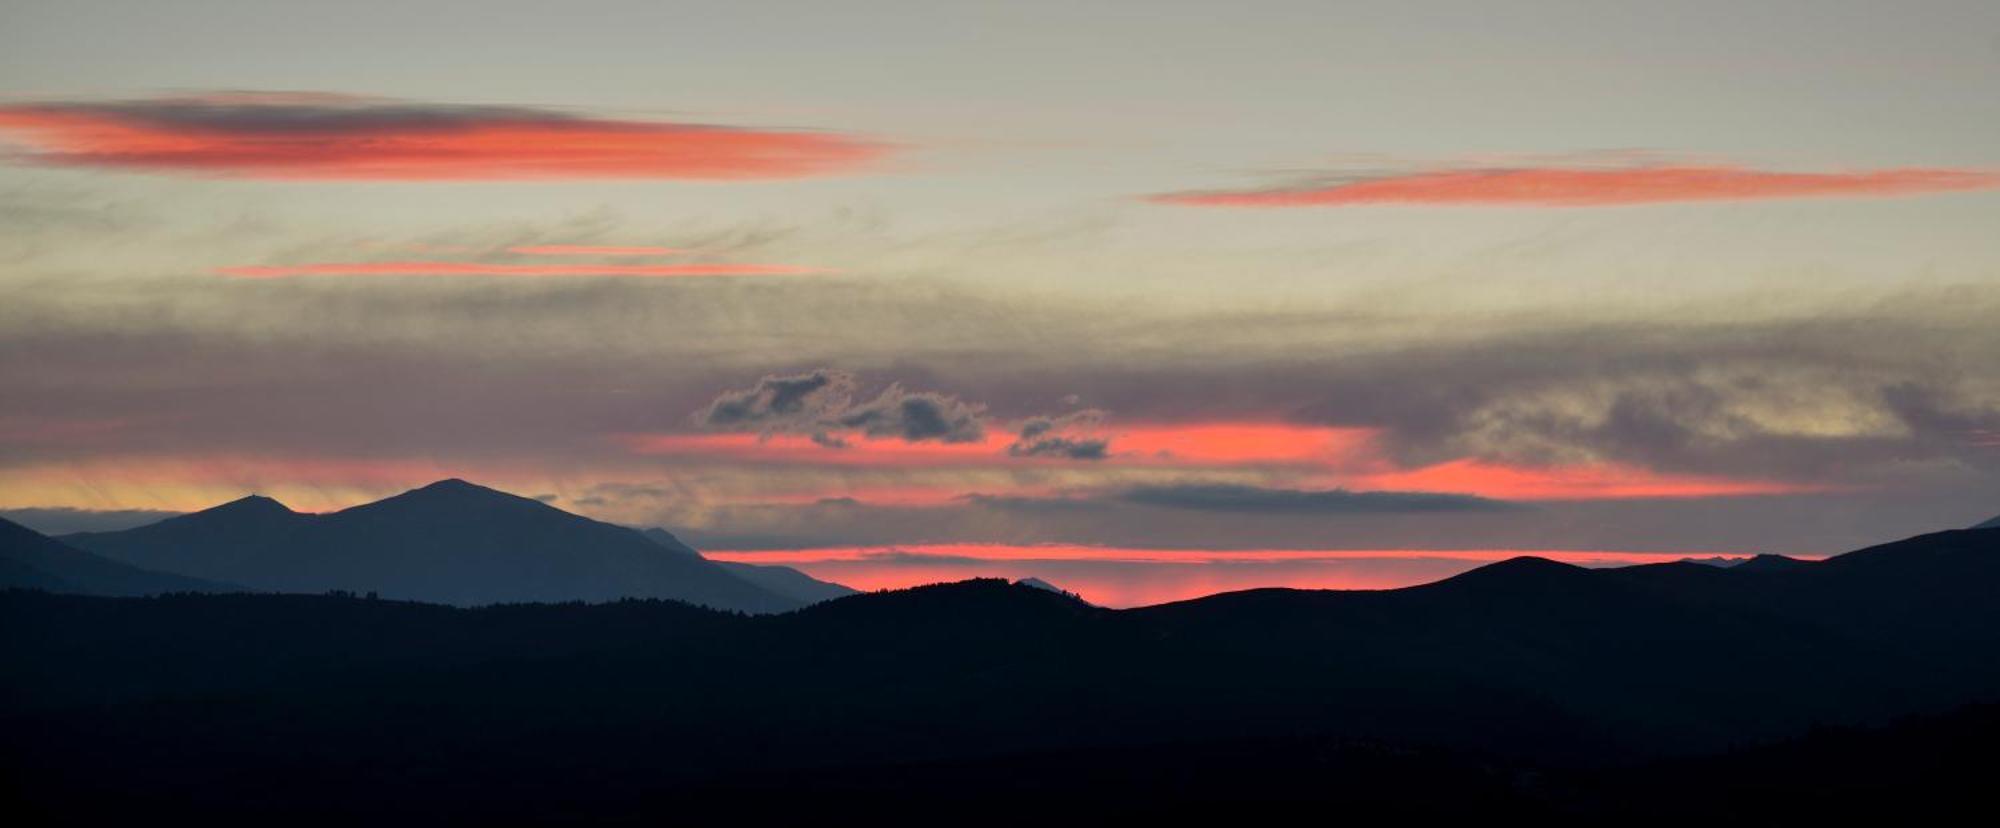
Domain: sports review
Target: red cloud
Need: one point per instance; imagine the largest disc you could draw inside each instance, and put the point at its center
(335, 137)
(483, 269)
(1579, 187)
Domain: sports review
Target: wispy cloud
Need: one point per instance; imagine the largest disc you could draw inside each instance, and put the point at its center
(437, 268)
(592, 250)
(317, 136)
(1593, 187)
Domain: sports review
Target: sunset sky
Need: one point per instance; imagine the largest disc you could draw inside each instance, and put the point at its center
(1142, 299)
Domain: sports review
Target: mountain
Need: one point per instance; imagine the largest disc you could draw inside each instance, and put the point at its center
(667, 540)
(1770, 563)
(30, 560)
(787, 581)
(450, 542)
(540, 712)
(1714, 560)
(1990, 523)
(783, 580)
(234, 541)
(1040, 584)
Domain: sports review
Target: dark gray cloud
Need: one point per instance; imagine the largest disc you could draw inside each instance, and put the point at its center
(1260, 500)
(1074, 448)
(1044, 437)
(915, 417)
(781, 403)
(821, 403)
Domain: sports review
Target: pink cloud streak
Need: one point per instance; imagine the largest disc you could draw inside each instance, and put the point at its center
(334, 137)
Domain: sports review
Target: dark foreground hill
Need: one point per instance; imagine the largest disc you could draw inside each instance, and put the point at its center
(451, 542)
(1525, 687)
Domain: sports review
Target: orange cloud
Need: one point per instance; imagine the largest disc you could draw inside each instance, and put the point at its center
(337, 137)
(484, 269)
(592, 250)
(1585, 187)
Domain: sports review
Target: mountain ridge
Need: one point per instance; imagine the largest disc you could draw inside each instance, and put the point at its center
(31, 560)
(451, 542)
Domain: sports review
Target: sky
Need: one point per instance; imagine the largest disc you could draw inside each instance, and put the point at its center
(1146, 299)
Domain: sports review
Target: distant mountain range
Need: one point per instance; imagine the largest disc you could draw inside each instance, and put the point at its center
(450, 542)
(527, 712)
(783, 580)
(28, 560)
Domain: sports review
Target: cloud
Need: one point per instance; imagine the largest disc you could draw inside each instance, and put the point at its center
(1258, 500)
(434, 268)
(793, 402)
(1044, 437)
(916, 417)
(1074, 448)
(592, 250)
(318, 136)
(821, 403)
(1244, 499)
(1594, 187)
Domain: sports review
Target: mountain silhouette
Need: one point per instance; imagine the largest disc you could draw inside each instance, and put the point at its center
(30, 560)
(1038, 583)
(451, 542)
(1989, 523)
(1770, 563)
(783, 580)
(529, 712)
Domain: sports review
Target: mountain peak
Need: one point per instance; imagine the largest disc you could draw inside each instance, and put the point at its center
(455, 496)
(1523, 571)
(255, 504)
(458, 489)
(455, 484)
